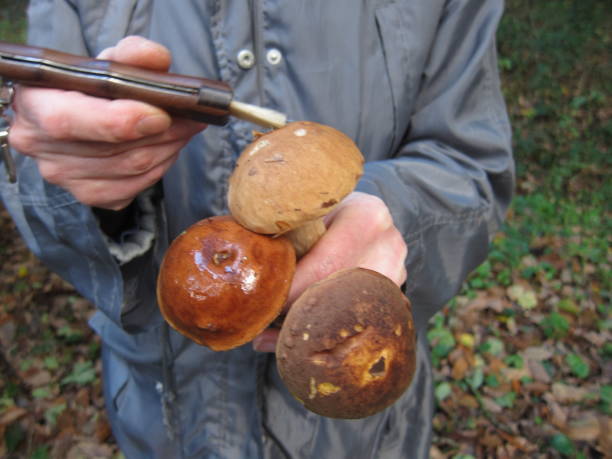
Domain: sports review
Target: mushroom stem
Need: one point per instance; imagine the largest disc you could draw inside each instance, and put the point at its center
(305, 236)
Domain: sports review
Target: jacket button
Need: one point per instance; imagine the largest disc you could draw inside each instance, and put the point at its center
(274, 56)
(246, 59)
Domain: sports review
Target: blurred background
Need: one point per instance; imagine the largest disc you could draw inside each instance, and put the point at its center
(523, 356)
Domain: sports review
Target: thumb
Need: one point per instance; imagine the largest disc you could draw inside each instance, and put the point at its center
(139, 51)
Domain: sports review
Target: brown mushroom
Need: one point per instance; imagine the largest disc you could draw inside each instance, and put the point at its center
(347, 346)
(221, 284)
(288, 179)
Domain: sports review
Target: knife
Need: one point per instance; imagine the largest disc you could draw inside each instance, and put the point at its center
(201, 99)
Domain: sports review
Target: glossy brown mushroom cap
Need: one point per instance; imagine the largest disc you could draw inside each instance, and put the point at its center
(347, 346)
(221, 284)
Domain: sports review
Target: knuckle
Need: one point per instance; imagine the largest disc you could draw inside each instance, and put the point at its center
(56, 124)
(140, 162)
(21, 139)
(51, 172)
(118, 125)
(131, 40)
(379, 214)
(397, 244)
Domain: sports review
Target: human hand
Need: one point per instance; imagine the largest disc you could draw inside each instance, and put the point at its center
(360, 232)
(103, 151)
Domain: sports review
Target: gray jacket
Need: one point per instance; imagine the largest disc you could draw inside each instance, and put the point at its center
(414, 83)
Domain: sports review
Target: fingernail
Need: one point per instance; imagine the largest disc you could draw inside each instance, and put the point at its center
(264, 343)
(153, 124)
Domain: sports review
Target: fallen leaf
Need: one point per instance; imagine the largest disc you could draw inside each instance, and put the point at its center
(460, 368)
(564, 393)
(538, 371)
(37, 378)
(526, 298)
(7, 332)
(435, 453)
(467, 340)
(11, 414)
(468, 401)
(605, 438)
(586, 428)
(490, 405)
(90, 450)
(490, 440)
(558, 415)
(513, 374)
(536, 387)
(537, 353)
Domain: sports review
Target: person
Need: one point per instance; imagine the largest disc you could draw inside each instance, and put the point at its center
(104, 186)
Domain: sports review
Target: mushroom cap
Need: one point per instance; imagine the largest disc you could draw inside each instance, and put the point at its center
(347, 346)
(292, 175)
(221, 284)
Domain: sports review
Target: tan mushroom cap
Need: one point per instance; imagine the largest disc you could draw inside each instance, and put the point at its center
(221, 284)
(347, 346)
(293, 175)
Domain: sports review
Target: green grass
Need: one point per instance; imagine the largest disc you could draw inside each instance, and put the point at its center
(12, 20)
(555, 63)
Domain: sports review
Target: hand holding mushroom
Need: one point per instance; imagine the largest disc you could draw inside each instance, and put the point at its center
(360, 232)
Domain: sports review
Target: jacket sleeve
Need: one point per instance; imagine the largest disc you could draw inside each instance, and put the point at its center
(59, 230)
(451, 181)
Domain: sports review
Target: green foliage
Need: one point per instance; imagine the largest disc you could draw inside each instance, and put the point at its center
(71, 335)
(493, 346)
(514, 361)
(506, 400)
(12, 21)
(606, 350)
(52, 413)
(82, 373)
(556, 105)
(563, 445)
(605, 397)
(442, 391)
(555, 326)
(476, 379)
(440, 339)
(42, 452)
(13, 436)
(578, 365)
(41, 392)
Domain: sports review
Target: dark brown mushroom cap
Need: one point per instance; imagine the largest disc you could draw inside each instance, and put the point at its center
(347, 346)
(221, 284)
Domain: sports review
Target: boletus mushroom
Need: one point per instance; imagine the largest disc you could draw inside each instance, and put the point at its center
(286, 180)
(347, 346)
(221, 284)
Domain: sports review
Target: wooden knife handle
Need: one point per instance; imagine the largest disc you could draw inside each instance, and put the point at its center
(186, 96)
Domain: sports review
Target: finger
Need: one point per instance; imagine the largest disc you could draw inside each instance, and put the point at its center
(115, 194)
(180, 129)
(61, 169)
(266, 340)
(361, 233)
(51, 114)
(139, 51)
